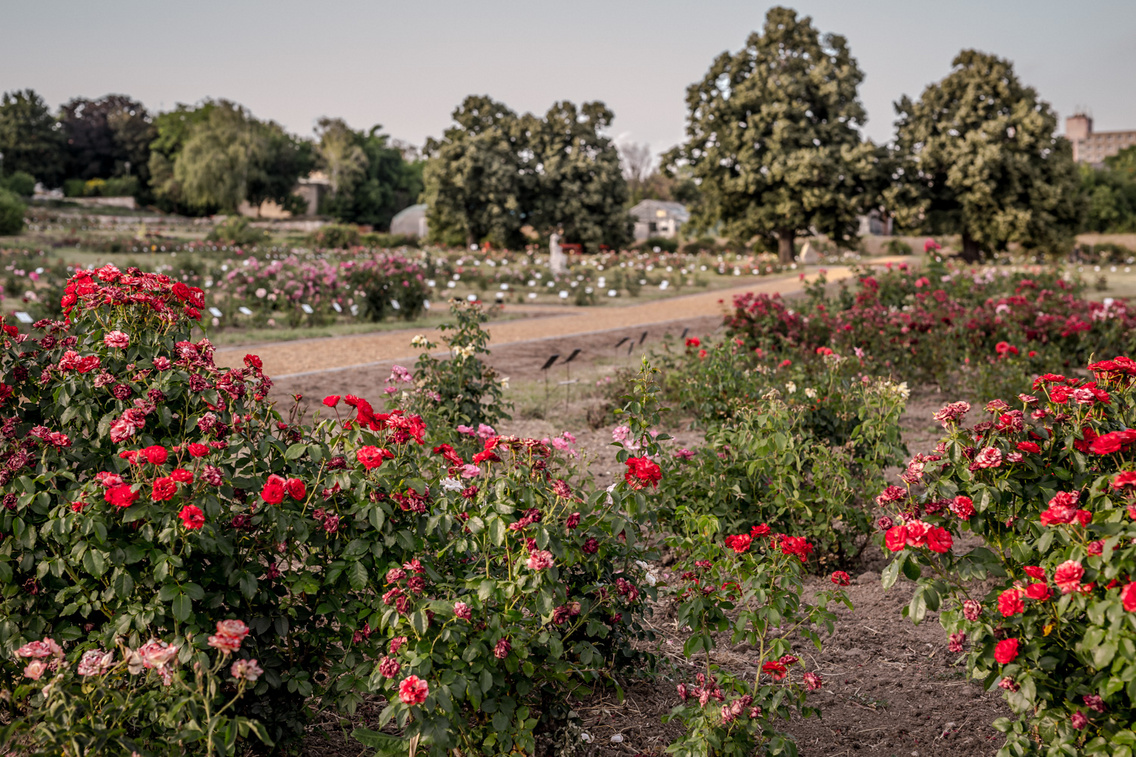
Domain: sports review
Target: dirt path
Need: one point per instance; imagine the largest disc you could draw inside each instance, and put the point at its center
(296, 359)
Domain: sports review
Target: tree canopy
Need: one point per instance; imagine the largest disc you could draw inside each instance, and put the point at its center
(30, 138)
(1110, 194)
(494, 173)
(370, 178)
(773, 137)
(105, 135)
(977, 156)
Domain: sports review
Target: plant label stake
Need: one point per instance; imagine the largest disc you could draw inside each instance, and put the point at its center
(544, 368)
(568, 375)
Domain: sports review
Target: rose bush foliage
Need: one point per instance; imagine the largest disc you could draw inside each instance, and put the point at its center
(1046, 481)
(147, 490)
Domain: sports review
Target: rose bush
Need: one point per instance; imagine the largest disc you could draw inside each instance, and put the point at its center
(160, 698)
(1047, 483)
(147, 490)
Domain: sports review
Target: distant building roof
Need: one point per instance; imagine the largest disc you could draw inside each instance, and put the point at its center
(649, 210)
(410, 221)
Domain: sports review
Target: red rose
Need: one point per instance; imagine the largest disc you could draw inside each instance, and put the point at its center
(939, 540)
(1123, 479)
(1068, 576)
(122, 495)
(164, 489)
(840, 578)
(413, 690)
(198, 450)
(962, 506)
(1010, 602)
(1039, 592)
(1128, 597)
(1083, 517)
(182, 476)
(1006, 651)
(331, 400)
(192, 517)
(273, 491)
(295, 488)
(372, 457)
(1030, 447)
(1034, 572)
(896, 538)
(156, 455)
(642, 472)
(758, 531)
(776, 669)
(917, 533)
(739, 542)
(254, 361)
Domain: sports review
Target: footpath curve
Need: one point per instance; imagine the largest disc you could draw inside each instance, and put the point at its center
(285, 360)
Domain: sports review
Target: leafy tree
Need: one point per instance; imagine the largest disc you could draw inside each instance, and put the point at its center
(773, 137)
(172, 130)
(494, 173)
(340, 154)
(474, 184)
(216, 156)
(30, 138)
(579, 183)
(11, 213)
(1110, 194)
(216, 162)
(977, 156)
(281, 160)
(370, 178)
(104, 135)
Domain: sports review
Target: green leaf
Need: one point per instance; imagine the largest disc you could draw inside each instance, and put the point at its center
(387, 746)
(357, 575)
(182, 607)
(295, 451)
(891, 572)
(917, 609)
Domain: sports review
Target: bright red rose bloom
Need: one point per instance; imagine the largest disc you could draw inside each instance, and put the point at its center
(372, 457)
(840, 578)
(164, 488)
(192, 517)
(758, 531)
(939, 540)
(182, 476)
(295, 488)
(331, 400)
(1123, 479)
(642, 472)
(121, 496)
(896, 538)
(1010, 603)
(1128, 597)
(776, 669)
(1006, 651)
(273, 491)
(198, 450)
(739, 542)
(1039, 592)
(156, 455)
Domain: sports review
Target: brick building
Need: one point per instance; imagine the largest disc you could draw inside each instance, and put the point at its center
(1093, 147)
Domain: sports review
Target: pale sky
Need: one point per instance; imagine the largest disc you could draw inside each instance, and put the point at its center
(406, 65)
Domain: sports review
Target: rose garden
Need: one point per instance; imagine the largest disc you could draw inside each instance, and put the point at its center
(375, 477)
(190, 563)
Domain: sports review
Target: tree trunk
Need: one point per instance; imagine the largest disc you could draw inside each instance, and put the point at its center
(971, 253)
(785, 245)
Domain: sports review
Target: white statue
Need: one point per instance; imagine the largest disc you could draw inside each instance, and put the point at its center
(556, 258)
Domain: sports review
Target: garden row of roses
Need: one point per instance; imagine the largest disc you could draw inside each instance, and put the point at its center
(473, 580)
(1050, 489)
(368, 285)
(932, 324)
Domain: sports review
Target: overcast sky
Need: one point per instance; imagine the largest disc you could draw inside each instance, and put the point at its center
(405, 65)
